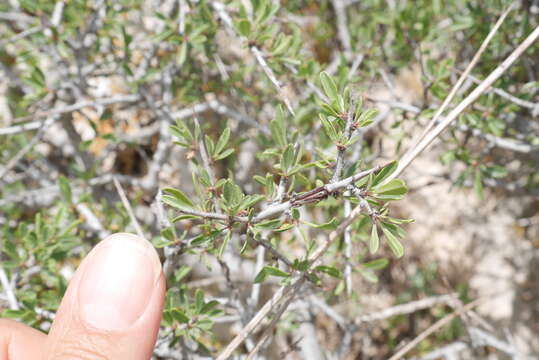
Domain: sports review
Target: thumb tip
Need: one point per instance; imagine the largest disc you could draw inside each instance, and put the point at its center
(116, 296)
(117, 281)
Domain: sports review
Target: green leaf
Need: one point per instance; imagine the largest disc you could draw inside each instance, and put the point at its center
(300, 265)
(37, 78)
(270, 185)
(224, 245)
(65, 188)
(223, 140)
(395, 230)
(250, 200)
(269, 271)
(270, 12)
(261, 6)
(269, 224)
(210, 145)
(398, 221)
(282, 44)
(225, 154)
(330, 270)
(174, 202)
(199, 300)
(179, 315)
(339, 289)
(232, 193)
(261, 276)
(331, 225)
(330, 111)
(182, 56)
(244, 27)
(369, 275)
(127, 39)
(374, 241)
(329, 86)
(273, 271)
(330, 130)
(177, 198)
(478, 183)
(204, 238)
(260, 179)
(277, 128)
(393, 190)
(340, 103)
(205, 325)
(181, 273)
(244, 247)
(287, 159)
(367, 117)
(393, 242)
(169, 233)
(181, 132)
(209, 306)
(385, 172)
(185, 217)
(377, 264)
(284, 228)
(496, 171)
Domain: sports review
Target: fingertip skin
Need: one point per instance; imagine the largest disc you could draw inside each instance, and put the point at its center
(20, 342)
(72, 336)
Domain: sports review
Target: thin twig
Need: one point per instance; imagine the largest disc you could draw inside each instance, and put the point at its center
(13, 16)
(348, 251)
(348, 131)
(504, 143)
(329, 311)
(90, 219)
(342, 25)
(315, 194)
(437, 325)
(269, 73)
(482, 338)
(504, 94)
(10, 294)
(17, 128)
(274, 252)
(213, 215)
(54, 190)
(480, 89)
(57, 13)
(24, 150)
(207, 166)
(469, 68)
(255, 289)
(294, 286)
(269, 328)
(260, 315)
(21, 35)
(407, 308)
(128, 207)
(275, 210)
(257, 54)
(445, 352)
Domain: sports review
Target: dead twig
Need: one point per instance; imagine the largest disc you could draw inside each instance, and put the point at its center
(469, 68)
(436, 326)
(480, 89)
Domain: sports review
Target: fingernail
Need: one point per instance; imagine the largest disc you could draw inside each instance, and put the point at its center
(118, 281)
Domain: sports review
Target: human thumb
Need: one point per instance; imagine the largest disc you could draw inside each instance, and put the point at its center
(112, 307)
